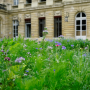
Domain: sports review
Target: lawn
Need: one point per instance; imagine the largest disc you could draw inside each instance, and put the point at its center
(62, 64)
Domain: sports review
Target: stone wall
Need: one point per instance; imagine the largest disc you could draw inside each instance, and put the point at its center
(34, 25)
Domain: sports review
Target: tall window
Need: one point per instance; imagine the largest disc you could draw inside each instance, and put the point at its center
(16, 2)
(0, 28)
(28, 28)
(28, 1)
(81, 24)
(15, 28)
(41, 26)
(43, 0)
(57, 26)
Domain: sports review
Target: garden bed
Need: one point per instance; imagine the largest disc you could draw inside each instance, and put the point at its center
(61, 64)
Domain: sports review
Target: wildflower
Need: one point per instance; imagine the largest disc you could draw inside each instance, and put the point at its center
(36, 48)
(25, 45)
(45, 31)
(57, 42)
(28, 53)
(27, 71)
(40, 48)
(25, 74)
(4, 70)
(49, 47)
(72, 45)
(63, 47)
(7, 58)
(51, 40)
(86, 47)
(61, 36)
(67, 40)
(84, 55)
(57, 45)
(54, 70)
(2, 51)
(19, 60)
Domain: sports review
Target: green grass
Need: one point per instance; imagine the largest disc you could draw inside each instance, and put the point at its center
(45, 68)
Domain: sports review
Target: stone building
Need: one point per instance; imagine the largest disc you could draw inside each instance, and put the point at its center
(70, 18)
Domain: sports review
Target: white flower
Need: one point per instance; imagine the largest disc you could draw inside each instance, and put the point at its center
(49, 47)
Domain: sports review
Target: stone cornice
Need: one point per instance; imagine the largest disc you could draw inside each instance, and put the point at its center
(3, 11)
(51, 6)
(76, 2)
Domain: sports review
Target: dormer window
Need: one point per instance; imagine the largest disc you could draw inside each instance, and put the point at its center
(43, 0)
(16, 2)
(28, 1)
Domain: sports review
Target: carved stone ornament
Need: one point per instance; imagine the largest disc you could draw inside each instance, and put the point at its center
(15, 17)
(27, 16)
(42, 14)
(57, 13)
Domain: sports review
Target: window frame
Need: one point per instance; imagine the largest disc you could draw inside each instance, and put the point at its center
(59, 23)
(28, 3)
(41, 23)
(16, 28)
(81, 18)
(15, 2)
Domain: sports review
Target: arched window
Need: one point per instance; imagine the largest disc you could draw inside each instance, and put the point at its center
(80, 26)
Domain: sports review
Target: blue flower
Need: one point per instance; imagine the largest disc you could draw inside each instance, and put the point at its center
(63, 47)
(27, 71)
(59, 44)
(36, 48)
(56, 42)
(72, 45)
(84, 55)
(86, 47)
(67, 40)
(40, 48)
(54, 70)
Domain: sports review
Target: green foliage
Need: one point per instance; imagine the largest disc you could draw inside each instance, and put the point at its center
(46, 66)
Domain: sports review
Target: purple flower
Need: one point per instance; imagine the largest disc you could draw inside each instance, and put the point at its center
(61, 36)
(45, 31)
(67, 40)
(36, 48)
(19, 60)
(86, 47)
(72, 45)
(27, 71)
(51, 40)
(63, 47)
(59, 44)
(2, 51)
(28, 52)
(40, 48)
(84, 55)
(54, 70)
(4, 70)
(7, 58)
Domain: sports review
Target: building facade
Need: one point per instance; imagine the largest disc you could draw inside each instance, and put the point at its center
(70, 18)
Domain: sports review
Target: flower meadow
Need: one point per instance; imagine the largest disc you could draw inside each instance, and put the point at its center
(57, 64)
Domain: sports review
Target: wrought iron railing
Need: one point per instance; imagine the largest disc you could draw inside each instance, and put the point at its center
(2, 6)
